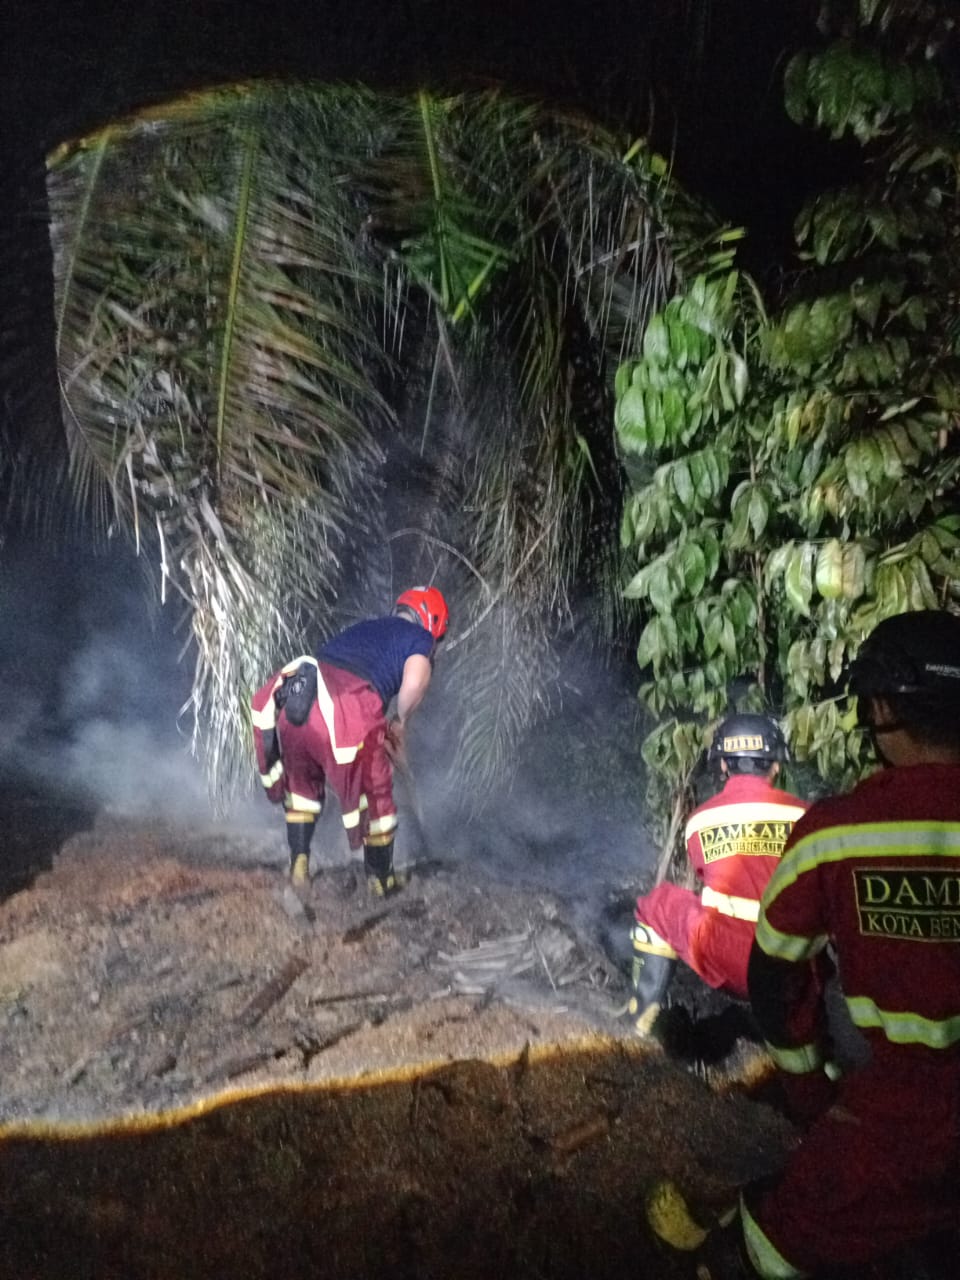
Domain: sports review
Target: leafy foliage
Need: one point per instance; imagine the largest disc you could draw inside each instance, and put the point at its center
(793, 480)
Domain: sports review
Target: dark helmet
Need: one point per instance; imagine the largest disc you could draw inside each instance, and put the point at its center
(428, 606)
(748, 737)
(910, 653)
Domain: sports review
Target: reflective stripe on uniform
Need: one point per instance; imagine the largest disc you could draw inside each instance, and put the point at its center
(302, 804)
(787, 946)
(729, 904)
(275, 774)
(266, 718)
(351, 819)
(766, 1259)
(904, 1028)
(871, 840)
(648, 942)
(379, 826)
(798, 1060)
(874, 840)
(745, 811)
(342, 755)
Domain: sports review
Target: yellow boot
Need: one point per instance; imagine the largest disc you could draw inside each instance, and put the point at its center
(670, 1219)
(382, 880)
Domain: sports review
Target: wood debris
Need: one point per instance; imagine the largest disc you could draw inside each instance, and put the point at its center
(273, 991)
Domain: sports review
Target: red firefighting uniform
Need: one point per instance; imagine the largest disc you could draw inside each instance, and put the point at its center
(734, 842)
(877, 873)
(340, 743)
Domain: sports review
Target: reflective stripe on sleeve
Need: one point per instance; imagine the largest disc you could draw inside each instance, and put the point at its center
(729, 904)
(351, 819)
(797, 1060)
(767, 1261)
(904, 1028)
(787, 946)
(275, 774)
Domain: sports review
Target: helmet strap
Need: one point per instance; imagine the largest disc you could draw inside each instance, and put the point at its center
(876, 732)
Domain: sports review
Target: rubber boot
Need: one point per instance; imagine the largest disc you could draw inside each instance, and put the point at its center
(300, 829)
(378, 864)
(715, 1236)
(654, 963)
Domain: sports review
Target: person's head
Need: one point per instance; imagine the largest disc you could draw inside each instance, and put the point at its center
(426, 606)
(748, 744)
(906, 678)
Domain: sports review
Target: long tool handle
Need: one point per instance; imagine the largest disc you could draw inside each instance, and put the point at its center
(413, 799)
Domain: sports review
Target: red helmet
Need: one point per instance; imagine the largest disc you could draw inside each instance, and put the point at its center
(429, 607)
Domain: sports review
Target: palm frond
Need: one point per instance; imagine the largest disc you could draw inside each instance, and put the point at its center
(216, 358)
(295, 320)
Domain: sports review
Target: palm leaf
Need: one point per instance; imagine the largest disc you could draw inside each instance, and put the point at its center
(215, 358)
(293, 322)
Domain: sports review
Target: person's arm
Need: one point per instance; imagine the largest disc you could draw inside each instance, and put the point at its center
(416, 678)
(786, 999)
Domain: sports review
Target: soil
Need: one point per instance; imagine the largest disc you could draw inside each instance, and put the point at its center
(207, 1074)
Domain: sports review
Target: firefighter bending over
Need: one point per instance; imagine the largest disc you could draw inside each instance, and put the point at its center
(734, 842)
(323, 720)
(875, 873)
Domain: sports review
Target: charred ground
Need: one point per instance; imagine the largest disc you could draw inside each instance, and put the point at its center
(204, 1074)
(200, 1067)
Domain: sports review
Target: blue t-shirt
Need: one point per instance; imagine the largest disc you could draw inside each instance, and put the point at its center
(376, 650)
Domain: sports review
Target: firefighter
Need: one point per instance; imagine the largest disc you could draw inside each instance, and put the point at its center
(322, 721)
(734, 842)
(874, 875)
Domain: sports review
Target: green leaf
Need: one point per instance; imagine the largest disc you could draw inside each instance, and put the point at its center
(631, 421)
(693, 566)
(829, 570)
(854, 571)
(856, 462)
(740, 377)
(623, 378)
(650, 645)
(679, 347)
(777, 562)
(795, 87)
(758, 511)
(798, 578)
(656, 342)
(728, 639)
(673, 413)
(636, 588)
(713, 632)
(683, 483)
